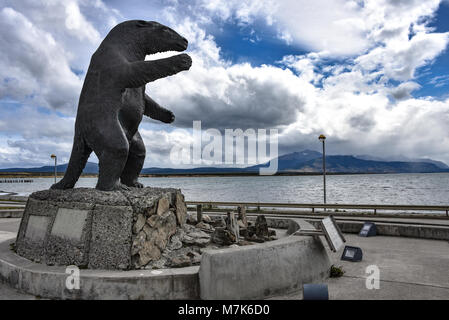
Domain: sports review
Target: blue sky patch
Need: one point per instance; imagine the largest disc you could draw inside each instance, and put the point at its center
(434, 78)
(255, 44)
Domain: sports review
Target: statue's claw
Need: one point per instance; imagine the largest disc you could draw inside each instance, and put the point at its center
(61, 185)
(124, 187)
(134, 184)
(117, 187)
(138, 185)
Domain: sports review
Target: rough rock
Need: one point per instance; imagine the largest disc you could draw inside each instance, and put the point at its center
(204, 226)
(245, 243)
(223, 236)
(198, 234)
(139, 223)
(206, 218)
(197, 238)
(242, 216)
(161, 263)
(220, 222)
(191, 218)
(149, 252)
(180, 261)
(255, 238)
(162, 206)
(241, 224)
(181, 209)
(261, 226)
(232, 225)
(175, 242)
(138, 243)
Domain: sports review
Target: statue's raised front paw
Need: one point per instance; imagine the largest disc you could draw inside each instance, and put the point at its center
(167, 116)
(182, 62)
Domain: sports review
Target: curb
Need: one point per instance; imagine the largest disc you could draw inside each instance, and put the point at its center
(11, 213)
(396, 229)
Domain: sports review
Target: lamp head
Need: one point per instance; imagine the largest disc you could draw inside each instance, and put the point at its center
(322, 137)
(53, 156)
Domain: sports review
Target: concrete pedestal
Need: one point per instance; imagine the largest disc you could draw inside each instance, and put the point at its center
(97, 229)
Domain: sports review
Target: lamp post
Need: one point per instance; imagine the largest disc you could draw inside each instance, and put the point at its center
(322, 138)
(53, 156)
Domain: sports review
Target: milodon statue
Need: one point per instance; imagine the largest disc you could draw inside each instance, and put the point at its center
(113, 102)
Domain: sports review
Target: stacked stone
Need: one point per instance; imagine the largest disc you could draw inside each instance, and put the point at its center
(236, 228)
(153, 228)
(259, 232)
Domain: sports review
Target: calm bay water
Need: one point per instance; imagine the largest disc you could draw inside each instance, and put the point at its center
(419, 189)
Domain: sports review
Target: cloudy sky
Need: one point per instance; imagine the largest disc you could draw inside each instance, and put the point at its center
(371, 75)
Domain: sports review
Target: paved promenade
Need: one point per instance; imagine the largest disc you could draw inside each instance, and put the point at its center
(8, 229)
(409, 268)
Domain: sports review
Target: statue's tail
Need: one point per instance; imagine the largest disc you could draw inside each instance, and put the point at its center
(78, 160)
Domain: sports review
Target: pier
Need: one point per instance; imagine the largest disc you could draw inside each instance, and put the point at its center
(16, 180)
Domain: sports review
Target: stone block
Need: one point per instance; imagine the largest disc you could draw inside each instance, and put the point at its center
(69, 223)
(34, 228)
(67, 243)
(111, 237)
(37, 228)
(34, 238)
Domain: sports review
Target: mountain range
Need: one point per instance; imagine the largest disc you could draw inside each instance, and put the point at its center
(306, 161)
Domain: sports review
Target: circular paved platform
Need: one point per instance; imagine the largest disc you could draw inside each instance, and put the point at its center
(277, 267)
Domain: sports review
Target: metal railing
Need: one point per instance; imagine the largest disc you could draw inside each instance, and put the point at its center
(211, 205)
(314, 206)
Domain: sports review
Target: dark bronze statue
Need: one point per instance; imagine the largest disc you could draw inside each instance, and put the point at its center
(113, 102)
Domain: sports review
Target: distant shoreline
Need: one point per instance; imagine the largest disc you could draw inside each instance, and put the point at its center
(8, 175)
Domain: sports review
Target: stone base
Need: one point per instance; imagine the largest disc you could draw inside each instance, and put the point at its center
(99, 229)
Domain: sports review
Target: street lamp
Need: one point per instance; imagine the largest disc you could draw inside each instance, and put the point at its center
(322, 138)
(53, 156)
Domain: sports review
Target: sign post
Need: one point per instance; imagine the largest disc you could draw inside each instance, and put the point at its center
(330, 230)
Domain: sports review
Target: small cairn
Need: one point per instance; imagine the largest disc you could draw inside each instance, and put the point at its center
(236, 229)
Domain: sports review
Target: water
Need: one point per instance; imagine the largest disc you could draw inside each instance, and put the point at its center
(410, 189)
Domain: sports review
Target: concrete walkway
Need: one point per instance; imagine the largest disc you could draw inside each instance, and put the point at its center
(409, 268)
(8, 230)
(9, 224)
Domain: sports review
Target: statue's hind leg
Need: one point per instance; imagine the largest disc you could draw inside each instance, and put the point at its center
(111, 148)
(134, 164)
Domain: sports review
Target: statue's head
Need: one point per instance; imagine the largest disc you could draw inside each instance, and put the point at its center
(151, 37)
